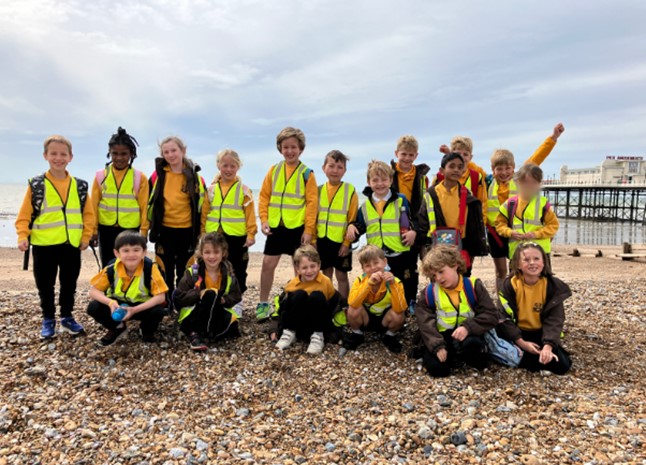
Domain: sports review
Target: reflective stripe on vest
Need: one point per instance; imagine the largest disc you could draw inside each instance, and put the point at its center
(493, 204)
(118, 206)
(530, 221)
(448, 317)
(227, 212)
(385, 304)
(333, 215)
(287, 201)
(430, 212)
(59, 221)
(136, 293)
(186, 311)
(384, 230)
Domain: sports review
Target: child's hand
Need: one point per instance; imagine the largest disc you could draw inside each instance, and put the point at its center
(388, 277)
(94, 240)
(23, 245)
(460, 333)
(273, 337)
(306, 239)
(530, 347)
(375, 278)
(558, 130)
(344, 250)
(445, 149)
(249, 242)
(83, 245)
(442, 355)
(113, 305)
(546, 355)
(351, 233)
(530, 235)
(408, 238)
(516, 236)
(266, 230)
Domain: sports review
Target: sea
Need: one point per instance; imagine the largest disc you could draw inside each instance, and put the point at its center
(571, 232)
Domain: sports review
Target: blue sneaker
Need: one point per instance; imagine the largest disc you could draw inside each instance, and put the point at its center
(48, 330)
(70, 325)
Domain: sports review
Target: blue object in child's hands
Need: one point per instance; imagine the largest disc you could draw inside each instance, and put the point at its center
(119, 314)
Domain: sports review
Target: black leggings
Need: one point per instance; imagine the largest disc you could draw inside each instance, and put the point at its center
(404, 267)
(149, 319)
(208, 318)
(305, 314)
(174, 248)
(470, 351)
(531, 362)
(239, 259)
(63, 260)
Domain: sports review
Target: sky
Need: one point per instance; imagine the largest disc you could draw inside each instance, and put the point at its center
(353, 75)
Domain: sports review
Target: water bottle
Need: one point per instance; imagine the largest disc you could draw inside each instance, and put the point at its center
(119, 313)
(404, 221)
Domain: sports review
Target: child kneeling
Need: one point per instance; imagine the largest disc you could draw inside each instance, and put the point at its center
(453, 313)
(132, 283)
(532, 300)
(305, 308)
(377, 302)
(207, 294)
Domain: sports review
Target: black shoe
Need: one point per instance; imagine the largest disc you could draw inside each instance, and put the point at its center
(113, 335)
(392, 343)
(233, 332)
(334, 336)
(147, 337)
(197, 344)
(353, 340)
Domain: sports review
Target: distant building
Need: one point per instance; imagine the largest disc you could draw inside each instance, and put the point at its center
(613, 170)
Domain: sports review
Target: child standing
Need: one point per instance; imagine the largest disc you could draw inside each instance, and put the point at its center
(287, 207)
(175, 208)
(451, 215)
(377, 302)
(387, 221)
(532, 300)
(132, 282)
(528, 216)
(56, 218)
(501, 186)
(453, 313)
(307, 304)
(231, 213)
(119, 195)
(338, 205)
(208, 293)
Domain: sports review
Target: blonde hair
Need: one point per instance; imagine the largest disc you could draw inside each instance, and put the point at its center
(228, 153)
(379, 168)
(306, 251)
(529, 170)
(59, 139)
(439, 257)
(180, 143)
(369, 253)
(288, 132)
(501, 157)
(462, 143)
(407, 142)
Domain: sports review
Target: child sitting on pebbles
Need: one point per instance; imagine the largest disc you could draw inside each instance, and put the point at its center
(207, 295)
(532, 300)
(305, 309)
(453, 313)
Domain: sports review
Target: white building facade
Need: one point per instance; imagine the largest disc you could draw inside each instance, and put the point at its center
(613, 170)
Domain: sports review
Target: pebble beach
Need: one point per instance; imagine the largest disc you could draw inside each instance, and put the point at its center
(68, 401)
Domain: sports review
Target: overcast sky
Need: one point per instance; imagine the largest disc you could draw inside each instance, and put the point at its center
(354, 75)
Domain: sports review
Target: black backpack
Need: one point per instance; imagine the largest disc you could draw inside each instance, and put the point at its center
(37, 185)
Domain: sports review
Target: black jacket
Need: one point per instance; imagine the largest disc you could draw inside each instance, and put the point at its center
(187, 294)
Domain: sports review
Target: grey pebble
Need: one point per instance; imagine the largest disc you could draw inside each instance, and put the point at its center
(458, 438)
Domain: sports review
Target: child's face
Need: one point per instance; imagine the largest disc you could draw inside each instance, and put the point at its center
(212, 256)
(453, 170)
(447, 277)
(334, 170)
(503, 173)
(528, 188)
(406, 157)
(131, 256)
(291, 150)
(374, 266)
(172, 153)
(468, 156)
(307, 270)
(120, 156)
(58, 156)
(228, 169)
(531, 262)
(380, 185)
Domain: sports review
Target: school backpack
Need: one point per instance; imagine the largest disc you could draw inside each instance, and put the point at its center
(37, 185)
(500, 350)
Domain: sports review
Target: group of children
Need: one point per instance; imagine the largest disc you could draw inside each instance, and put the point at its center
(202, 235)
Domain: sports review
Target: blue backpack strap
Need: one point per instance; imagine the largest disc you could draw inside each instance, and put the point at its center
(430, 298)
(472, 299)
(306, 174)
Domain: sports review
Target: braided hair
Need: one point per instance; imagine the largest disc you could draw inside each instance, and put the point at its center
(123, 138)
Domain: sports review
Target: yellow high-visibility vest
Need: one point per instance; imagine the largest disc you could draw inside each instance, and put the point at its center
(531, 220)
(287, 201)
(448, 316)
(118, 205)
(227, 212)
(493, 204)
(333, 214)
(384, 230)
(60, 221)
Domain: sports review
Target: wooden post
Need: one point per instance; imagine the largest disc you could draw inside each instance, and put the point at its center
(628, 248)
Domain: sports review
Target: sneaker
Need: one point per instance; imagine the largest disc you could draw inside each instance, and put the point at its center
(197, 344)
(113, 335)
(238, 309)
(392, 343)
(316, 344)
(286, 340)
(69, 325)
(48, 329)
(353, 340)
(263, 311)
(147, 337)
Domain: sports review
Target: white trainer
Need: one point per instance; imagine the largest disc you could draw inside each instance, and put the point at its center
(286, 340)
(316, 344)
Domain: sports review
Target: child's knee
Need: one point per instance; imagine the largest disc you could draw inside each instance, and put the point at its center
(94, 308)
(434, 367)
(394, 321)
